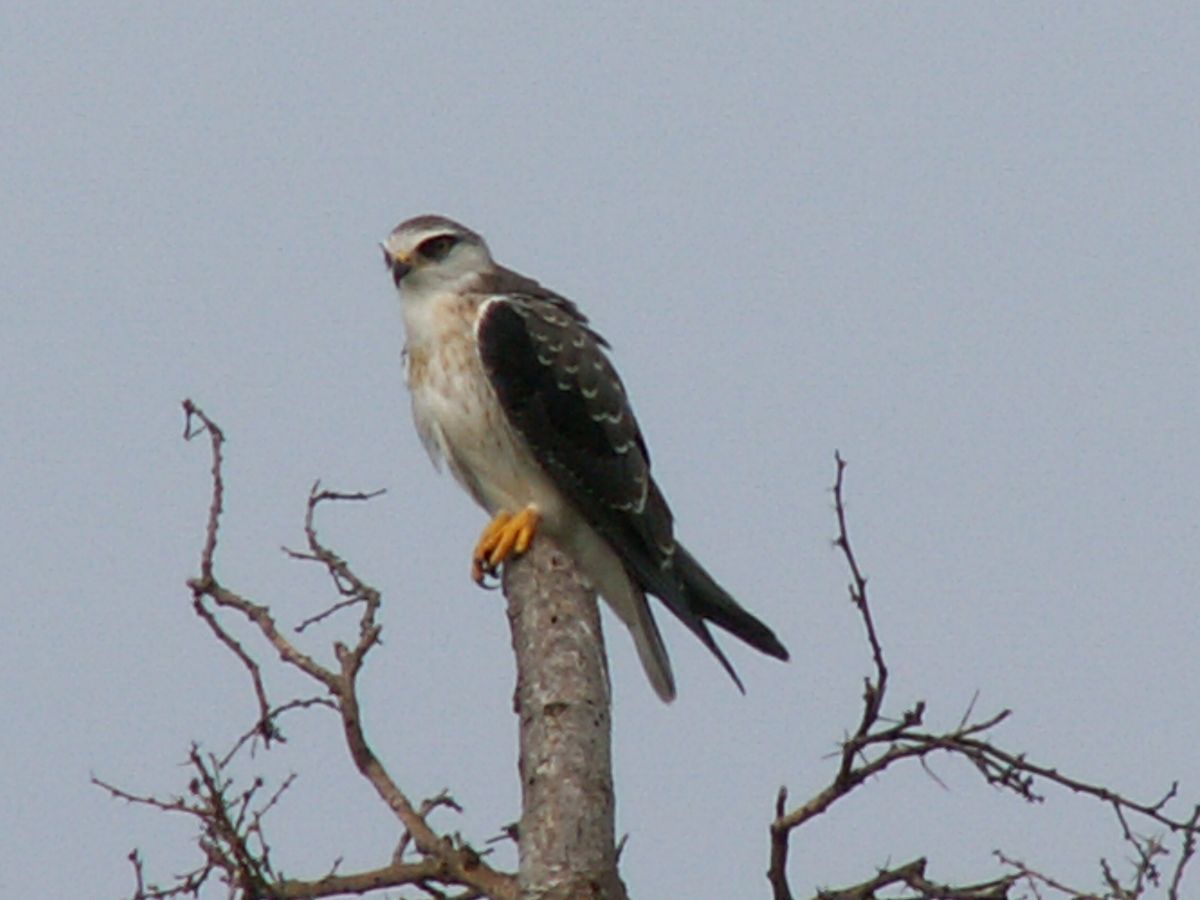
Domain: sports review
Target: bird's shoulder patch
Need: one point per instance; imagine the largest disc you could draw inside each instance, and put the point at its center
(561, 394)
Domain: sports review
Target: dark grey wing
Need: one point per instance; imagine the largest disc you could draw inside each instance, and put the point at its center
(562, 395)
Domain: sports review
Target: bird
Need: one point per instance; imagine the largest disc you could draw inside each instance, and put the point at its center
(513, 389)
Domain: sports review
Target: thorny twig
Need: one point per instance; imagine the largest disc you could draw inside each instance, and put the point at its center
(912, 876)
(256, 732)
(230, 831)
(877, 744)
(231, 838)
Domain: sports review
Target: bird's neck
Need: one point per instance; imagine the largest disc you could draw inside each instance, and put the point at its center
(431, 317)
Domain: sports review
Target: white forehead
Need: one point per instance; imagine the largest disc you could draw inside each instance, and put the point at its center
(409, 234)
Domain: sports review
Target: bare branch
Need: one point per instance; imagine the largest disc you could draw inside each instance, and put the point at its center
(780, 834)
(912, 876)
(265, 727)
(873, 690)
(1033, 879)
(271, 717)
(1186, 854)
(191, 411)
(232, 839)
(877, 744)
(347, 584)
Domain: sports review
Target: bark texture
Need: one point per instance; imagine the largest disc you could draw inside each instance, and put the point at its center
(566, 834)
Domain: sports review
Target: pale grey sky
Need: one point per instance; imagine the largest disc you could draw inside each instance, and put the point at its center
(958, 244)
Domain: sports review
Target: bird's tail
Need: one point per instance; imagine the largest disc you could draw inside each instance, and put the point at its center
(651, 650)
(711, 602)
(607, 574)
(629, 603)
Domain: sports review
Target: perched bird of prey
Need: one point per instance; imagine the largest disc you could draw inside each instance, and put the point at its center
(513, 389)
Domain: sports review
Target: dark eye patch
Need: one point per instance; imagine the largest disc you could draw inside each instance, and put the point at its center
(436, 248)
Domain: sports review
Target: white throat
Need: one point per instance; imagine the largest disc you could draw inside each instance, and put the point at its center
(427, 305)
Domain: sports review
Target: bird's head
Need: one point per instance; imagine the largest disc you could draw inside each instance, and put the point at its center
(432, 253)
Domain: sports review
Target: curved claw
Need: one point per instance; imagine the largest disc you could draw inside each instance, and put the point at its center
(504, 537)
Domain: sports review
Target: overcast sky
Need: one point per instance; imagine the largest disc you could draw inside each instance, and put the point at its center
(956, 243)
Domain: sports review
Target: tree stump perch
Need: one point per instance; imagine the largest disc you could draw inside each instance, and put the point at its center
(562, 700)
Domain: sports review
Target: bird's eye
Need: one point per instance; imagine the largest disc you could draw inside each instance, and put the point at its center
(436, 248)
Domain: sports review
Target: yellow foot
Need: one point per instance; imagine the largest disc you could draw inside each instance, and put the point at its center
(506, 535)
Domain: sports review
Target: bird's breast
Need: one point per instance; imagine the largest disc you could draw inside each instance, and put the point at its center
(460, 419)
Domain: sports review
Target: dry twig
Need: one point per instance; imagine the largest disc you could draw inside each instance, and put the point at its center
(234, 847)
(878, 743)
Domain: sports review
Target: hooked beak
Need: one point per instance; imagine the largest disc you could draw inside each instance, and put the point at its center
(399, 268)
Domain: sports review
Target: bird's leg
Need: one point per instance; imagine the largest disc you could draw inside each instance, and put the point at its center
(506, 535)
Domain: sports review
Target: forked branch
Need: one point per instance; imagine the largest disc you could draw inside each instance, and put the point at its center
(878, 743)
(234, 847)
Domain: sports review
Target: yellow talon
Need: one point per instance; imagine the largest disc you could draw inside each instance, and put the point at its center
(505, 536)
(527, 526)
(483, 547)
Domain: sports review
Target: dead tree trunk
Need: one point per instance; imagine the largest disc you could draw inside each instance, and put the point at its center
(566, 833)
